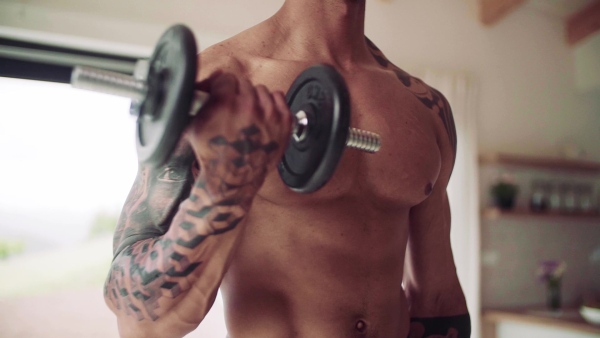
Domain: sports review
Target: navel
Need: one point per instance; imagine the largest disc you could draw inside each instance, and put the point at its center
(361, 326)
(428, 189)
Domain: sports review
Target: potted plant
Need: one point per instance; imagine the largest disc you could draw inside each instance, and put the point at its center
(504, 192)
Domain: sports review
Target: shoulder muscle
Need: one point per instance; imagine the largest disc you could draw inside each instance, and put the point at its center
(430, 97)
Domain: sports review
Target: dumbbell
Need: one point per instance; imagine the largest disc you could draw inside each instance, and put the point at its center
(165, 100)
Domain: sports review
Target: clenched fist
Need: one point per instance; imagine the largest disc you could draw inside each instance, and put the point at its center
(240, 133)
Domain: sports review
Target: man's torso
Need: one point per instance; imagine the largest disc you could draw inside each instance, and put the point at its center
(330, 263)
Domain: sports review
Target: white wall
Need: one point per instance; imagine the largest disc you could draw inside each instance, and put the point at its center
(587, 60)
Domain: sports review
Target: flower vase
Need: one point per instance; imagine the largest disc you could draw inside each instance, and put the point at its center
(553, 300)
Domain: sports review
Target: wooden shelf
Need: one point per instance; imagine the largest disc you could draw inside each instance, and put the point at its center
(541, 162)
(495, 213)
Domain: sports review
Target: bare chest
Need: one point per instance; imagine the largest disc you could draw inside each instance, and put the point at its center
(402, 173)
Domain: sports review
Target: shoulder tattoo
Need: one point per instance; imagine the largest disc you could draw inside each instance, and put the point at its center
(430, 97)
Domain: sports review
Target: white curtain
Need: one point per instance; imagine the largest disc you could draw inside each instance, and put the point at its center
(461, 91)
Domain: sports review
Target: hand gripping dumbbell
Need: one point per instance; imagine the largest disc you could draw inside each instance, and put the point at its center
(165, 101)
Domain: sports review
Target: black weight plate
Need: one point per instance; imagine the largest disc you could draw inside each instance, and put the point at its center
(164, 113)
(309, 163)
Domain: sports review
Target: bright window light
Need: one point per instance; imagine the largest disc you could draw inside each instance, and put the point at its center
(68, 160)
(67, 154)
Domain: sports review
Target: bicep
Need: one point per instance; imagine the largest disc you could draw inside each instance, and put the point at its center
(431, 281)
(429, 256)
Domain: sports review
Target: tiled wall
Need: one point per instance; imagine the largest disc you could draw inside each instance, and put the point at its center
(512, 247)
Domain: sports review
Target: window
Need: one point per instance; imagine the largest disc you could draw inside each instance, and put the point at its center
(68, 161)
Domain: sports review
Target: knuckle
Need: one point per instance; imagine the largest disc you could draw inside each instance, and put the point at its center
(261, 88)
(246, 103)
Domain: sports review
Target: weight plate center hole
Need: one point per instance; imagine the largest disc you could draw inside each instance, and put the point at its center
(301, 127)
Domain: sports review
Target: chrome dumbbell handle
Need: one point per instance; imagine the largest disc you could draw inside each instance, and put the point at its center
(108, 82)
(136, 89)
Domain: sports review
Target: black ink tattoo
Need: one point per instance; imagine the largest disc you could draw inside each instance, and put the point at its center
(154, 197)
(430, 97)
(158, 242)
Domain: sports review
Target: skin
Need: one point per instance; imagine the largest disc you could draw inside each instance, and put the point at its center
(358, 258)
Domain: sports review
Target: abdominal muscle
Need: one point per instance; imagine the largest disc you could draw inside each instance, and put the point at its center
(327, 269)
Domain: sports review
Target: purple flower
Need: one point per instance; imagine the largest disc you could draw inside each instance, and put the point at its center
(551, 270)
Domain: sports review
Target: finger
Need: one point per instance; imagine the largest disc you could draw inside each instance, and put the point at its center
(224, 85)
(283, 109)
(285, 114)
(266, 101)
(205, 84)
(247, 100)
(246, 88)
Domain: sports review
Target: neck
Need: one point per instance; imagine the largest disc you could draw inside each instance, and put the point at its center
(332, 30)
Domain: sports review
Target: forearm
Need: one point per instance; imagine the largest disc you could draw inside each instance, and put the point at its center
(151, 278)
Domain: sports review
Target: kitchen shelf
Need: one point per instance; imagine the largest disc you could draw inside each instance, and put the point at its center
(541, 162)
(495, 213)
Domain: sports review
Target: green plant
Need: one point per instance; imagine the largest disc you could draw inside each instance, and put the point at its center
(103, 223)
(505, 190)
(10, 247)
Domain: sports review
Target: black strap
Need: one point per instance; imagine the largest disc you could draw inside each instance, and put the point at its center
(451, 327)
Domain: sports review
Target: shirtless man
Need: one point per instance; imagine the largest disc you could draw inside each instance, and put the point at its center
(368, 255)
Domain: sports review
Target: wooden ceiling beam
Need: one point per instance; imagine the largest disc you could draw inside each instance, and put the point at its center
(583, 23)
(491, 11)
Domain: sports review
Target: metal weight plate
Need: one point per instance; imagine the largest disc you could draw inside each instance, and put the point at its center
(309, 162)
(164, 113)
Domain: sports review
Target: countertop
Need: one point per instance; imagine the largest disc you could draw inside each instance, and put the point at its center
(566, 319)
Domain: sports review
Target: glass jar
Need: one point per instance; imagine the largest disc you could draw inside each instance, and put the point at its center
(569, 197)
(555, 197)
(585, 198)
(539, 199)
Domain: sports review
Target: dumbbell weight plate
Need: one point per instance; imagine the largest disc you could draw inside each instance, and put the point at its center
(308, 163)
(164, 113)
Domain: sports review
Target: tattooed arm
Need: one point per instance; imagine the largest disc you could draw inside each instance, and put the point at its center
(436, 301)
(170, 257)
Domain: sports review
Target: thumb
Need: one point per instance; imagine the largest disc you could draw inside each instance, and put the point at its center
(205, 84)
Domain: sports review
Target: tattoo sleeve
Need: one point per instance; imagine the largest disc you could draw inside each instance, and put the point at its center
(190, 245)
(441, 327)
